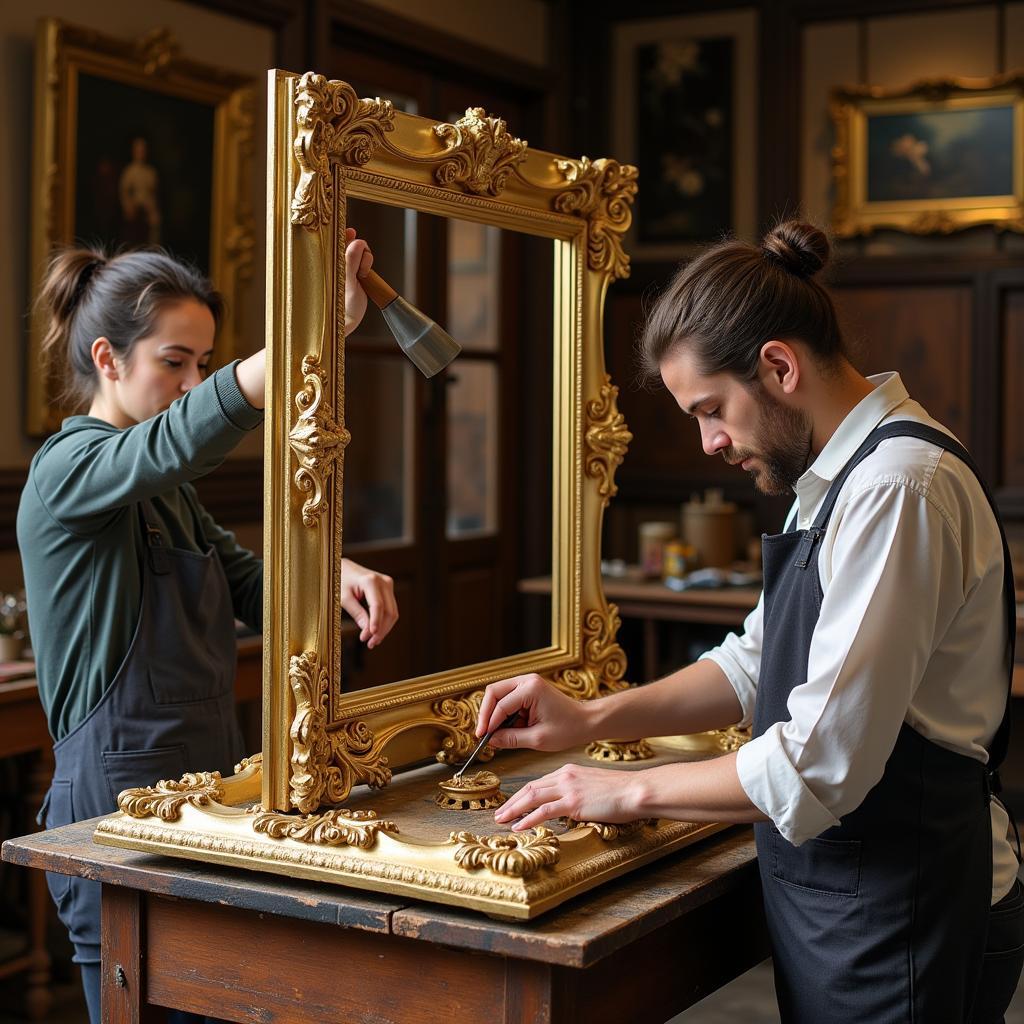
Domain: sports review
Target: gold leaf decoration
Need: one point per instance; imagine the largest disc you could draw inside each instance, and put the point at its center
(732, 738)
(609, 833)
(333, 125)
(620, 750)
(317, 441)
(457, 716)
(166, 798)
(480, 153)
(247, 762)
(156, 50)
(332, 828)
(516, 854)
(604, 662)
(607, 439)
(601, 192)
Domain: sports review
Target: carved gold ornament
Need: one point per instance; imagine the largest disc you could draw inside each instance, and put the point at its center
(601, 192)
(517, 854)
(477, 792)
(610, 833)
(607, 439)
(732, 738)
(332, 828)
(480, 153)
(156, 50)
(333, 125)
(317, 440)
(620, 750)
(604, 662)
(457, 716)
(166, 798)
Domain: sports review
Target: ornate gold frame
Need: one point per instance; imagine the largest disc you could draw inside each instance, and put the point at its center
(325, 144)
(850, 107)
(151, 62)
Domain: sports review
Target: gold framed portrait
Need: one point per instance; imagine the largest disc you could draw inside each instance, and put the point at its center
(353, 787)
(136, 146)
(936, 157)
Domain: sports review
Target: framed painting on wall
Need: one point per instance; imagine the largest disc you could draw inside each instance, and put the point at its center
(135, 146)
(933, 158)
(684, 113)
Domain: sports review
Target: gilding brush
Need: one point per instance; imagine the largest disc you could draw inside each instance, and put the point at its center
(429, 347)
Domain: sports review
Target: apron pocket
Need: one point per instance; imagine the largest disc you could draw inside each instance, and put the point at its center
(827, 866)
(132, 769)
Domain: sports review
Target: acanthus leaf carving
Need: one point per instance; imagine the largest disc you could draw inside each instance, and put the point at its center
(604, 662)
(516, 854)
(457, 716)
(316, 439)
(331, 828)
(166, 799)
(601, 192)
(480, 153)
(610, 833)
(607, 439)
(333, 124)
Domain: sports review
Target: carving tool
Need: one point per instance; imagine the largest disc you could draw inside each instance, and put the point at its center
(429, 347)
(507, 724)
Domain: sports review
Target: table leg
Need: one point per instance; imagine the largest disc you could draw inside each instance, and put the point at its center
(123, 984)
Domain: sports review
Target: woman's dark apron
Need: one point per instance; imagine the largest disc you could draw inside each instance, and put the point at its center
(169, 710)
(883, 917)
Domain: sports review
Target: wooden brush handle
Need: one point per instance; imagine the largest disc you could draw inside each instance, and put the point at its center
(379, 291)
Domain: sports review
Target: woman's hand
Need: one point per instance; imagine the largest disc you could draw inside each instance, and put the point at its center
(554, 720)
(358, 261)
(369, 597)
(578, 792)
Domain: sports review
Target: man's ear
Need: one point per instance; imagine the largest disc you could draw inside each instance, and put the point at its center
(780, 367)
(104, 360)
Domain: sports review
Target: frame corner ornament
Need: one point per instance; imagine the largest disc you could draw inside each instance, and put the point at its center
(333, 124)
(604, 661)
(601, 192)
(316, 440)
(480, 153)
(607, 439)
(166, 799)
(156, 50)
(513, 854)
(620, 750)
(457, 716)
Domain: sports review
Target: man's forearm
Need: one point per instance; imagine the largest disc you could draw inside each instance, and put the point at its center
(698, 791)
(694, 699)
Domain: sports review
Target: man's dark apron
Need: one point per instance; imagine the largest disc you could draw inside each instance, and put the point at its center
(883, 917)
(169, 710)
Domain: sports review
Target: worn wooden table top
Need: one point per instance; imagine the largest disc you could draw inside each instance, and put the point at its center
(578, 934)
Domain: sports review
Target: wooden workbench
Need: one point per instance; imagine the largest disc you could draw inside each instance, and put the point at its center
(247, 947)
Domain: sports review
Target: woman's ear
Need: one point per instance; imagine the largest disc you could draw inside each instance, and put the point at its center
(780, 367)
(103, 359)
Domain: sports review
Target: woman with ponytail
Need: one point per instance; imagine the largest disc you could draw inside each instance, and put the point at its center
(874, 673)
(133, 588)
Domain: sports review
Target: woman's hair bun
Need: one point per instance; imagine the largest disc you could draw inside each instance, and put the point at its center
(800, 248)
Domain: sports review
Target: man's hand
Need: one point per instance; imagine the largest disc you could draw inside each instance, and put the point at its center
(554, 720)
(358, 260)
(369, 597)
(582, 793)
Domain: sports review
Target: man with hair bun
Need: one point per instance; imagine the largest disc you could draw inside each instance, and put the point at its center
(874, 671)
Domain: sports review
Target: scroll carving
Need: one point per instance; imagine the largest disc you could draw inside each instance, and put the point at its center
(317, 440)
(517, 854)
(166, 799)
(332, 828)
(333, 125)
(610, 833)
(457, 716)
(604, 662)
(607, 439)
(480, 153)
(325, 767)
(601, 192)
(620, 750)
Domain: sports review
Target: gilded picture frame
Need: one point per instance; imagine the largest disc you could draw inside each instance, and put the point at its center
(136, 145)
(327, 798)
(935, 157)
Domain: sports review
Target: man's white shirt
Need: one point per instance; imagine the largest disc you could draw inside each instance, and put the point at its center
(912, 629)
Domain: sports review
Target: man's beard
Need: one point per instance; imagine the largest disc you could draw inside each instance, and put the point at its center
(783, 445)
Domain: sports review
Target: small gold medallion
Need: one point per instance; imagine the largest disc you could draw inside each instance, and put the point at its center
(476, 792)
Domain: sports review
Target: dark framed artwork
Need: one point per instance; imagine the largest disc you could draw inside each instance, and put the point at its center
(936, 157)
(685, 114)
(135, 146)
